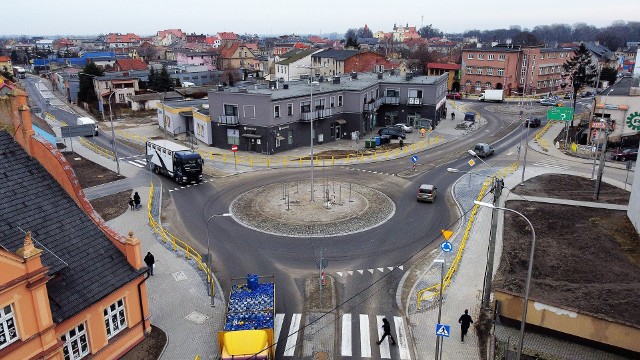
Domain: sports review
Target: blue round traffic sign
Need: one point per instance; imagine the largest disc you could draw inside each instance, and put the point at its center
(446, 246)
(414, 158)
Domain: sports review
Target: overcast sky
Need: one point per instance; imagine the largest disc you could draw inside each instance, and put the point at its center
(146, 17)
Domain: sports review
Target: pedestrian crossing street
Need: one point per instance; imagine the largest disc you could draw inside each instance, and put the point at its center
(357, 338)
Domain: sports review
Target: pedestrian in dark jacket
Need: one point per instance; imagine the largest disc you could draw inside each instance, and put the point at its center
(136, 200)
(150, 260)
(131, 203)
(386, 328)
(465, 321)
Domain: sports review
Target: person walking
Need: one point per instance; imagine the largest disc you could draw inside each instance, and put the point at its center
(465, 321)
(453, 116)
(136, 200)
(386, 329)
(131, 203)
(150, 261)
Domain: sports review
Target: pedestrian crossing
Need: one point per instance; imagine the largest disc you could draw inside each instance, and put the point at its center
(369, 171)
(355, 338)
(347, 273)
(553, 164)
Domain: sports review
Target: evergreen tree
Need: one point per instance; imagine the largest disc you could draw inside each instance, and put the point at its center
(152, 81)
(178, 83)
(165, 83)
(581, 70)
(86, 92)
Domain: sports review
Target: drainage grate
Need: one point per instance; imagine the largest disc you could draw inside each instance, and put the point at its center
(197, 317)
(178, 276)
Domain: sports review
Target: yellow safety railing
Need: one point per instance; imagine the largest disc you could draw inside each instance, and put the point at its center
(434, 290)
(176, 243)
(544, 144)
(135, 138)
(97, 149)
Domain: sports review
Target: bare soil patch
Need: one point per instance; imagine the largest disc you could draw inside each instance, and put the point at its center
(587, 259)
(150, 348)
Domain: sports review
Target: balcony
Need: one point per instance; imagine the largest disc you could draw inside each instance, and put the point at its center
(316, 115)
(374, 105)
(228, 119)
(391, 100)
(415, 101)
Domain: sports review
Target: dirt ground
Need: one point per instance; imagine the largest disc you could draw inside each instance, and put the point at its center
(150, 348)
(586, 259)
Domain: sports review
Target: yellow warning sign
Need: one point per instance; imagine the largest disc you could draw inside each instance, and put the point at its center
(471, 162)
(447, 234)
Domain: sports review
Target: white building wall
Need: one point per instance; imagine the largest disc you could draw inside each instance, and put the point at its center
(633, 211)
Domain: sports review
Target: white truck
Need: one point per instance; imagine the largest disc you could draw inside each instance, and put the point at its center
(492, 95)
(88, 121)
(174, 160)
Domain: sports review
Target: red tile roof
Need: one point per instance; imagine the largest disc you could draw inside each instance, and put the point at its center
(227, 36)
(443, 66)
(118, 38)
(130, 64)
(227, 52)
(5, 58)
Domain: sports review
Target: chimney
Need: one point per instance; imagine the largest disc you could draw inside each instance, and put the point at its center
(354, 75)
(285, 86)
(379, 75)
(336, 79)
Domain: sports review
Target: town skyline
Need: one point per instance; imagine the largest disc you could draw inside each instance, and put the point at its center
(296, 18)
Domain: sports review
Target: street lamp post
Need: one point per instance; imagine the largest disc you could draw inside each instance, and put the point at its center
(438, 338)
(529, 270)
(211, 284)
(113, 134)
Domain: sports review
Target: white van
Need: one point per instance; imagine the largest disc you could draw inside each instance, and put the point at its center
(88, 121)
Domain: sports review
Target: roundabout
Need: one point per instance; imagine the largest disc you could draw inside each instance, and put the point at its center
(338, 208)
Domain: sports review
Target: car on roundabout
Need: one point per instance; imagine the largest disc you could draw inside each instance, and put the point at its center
(427, 193)
(482, 150)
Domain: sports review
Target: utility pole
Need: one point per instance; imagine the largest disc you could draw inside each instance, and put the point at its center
(601, 165)
(488, 273)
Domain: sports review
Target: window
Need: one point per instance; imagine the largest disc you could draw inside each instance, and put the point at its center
(76, 344)
(230, 110)
(469, 70)
(305, 106)
(200, 129)
(414, 93)
(501, 57)
(490, 57)
(120, 97)
(332, 102)
(489, 71)
(480, 56)
(392, 93)
(290, 137)
(339, 100)
(276, 111)
(114, 318)
(478, 85)
(233, 136)
(318, 104)
(540, 71)
(479, 71)
(289, 109)
(500, 72)
(8, 331)
(541, 56)
(487, 85)
(470, 56)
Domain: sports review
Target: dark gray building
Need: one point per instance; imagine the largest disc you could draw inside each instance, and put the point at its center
(277, 117)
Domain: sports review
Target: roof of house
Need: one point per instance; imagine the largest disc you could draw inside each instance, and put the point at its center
(295, 56)
(84, 264)
(131, 64)
(227, 52)
(443, 66)
(176, 32)
(5, 59)
(118, 38)
(600, 51)
(339, 55)
(227, 36)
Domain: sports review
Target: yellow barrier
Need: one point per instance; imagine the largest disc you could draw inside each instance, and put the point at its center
(97, 149)
(177, 243)
(434, 290)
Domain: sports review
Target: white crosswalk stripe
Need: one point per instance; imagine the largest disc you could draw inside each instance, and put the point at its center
(551, 164)
(138, 163)
(344, 273)
(277, 328)
(365, 336)
(401, 339)
(346, 335)
(292, 339)
(385, 352)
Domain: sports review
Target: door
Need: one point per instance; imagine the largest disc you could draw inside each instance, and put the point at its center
(338, 131)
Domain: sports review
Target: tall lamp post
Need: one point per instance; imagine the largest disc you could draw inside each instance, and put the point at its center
(113, 134)
(529, 271)
(210, 289)
(439, 338)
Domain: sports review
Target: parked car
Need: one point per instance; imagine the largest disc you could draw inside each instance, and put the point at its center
(544, 99)
(626, 154)
(427, 192)
(404, 127)
(454, 95)
(535, 122)
(548, 102)
(392, 133)
(586, 94)
(483, 150)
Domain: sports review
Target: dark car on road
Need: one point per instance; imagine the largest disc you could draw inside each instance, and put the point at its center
(626, 154)
(392, 133)
(535, 122)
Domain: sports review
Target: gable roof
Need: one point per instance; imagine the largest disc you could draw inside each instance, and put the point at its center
(122, 38)
(295, 55)
(339, 55)
(86, 266)
(131, 64)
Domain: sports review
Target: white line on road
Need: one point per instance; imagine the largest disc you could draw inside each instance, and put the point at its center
(293, 335)
(365, 336)
(346, 335)
(403, 344)
(278, 327)
(134, 163)
(385, 353)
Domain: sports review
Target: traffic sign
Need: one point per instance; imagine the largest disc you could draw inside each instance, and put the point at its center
(234, 148)
(443, 330)
(414, 158)
(446, 246)
(560, 113)
(471, 162)
(447, 234)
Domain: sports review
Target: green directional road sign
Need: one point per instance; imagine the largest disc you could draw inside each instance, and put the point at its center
(560, 113)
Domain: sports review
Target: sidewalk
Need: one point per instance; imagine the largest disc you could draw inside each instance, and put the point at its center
(177, 293)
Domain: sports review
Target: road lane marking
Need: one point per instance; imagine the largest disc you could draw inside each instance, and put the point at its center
(278, 327)
(403, 343)
(293, 335)
(346, 335)
(365, 336)
(385, 353)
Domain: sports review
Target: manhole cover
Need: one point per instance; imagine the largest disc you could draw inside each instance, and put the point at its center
(179, 276)
(196, 317)
(321, 356)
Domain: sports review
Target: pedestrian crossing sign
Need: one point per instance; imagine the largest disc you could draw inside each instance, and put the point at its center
(443, 330)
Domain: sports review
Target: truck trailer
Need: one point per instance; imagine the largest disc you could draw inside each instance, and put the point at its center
(248, 328)
(19, 72)
(88, 121)
(174, 160)
(492, 95)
